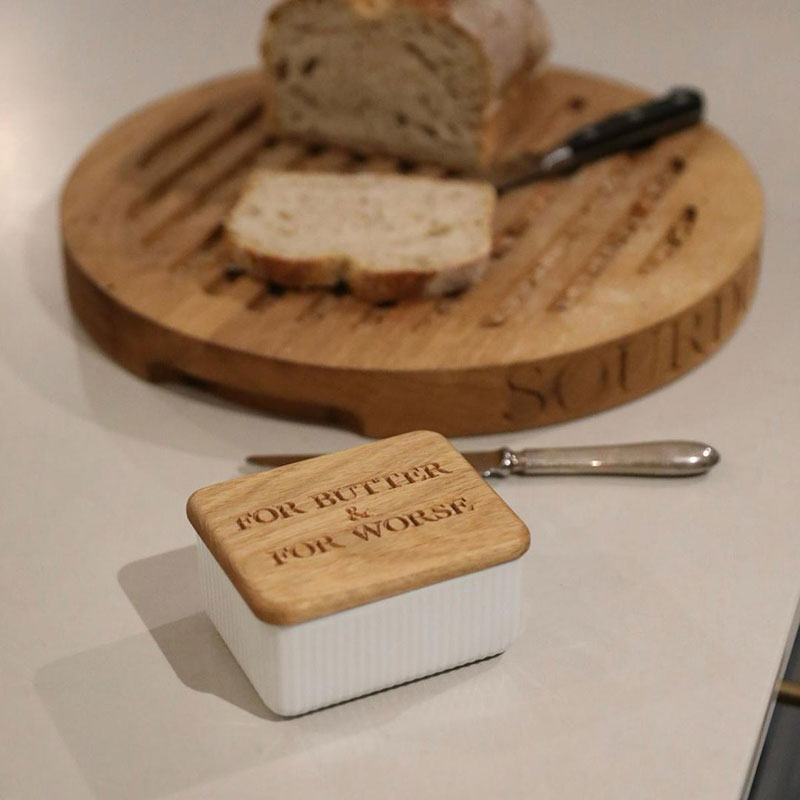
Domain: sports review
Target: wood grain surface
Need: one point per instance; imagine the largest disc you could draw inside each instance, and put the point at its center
(603, 286)
(352, 527)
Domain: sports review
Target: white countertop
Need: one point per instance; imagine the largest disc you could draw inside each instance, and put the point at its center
(656, 613)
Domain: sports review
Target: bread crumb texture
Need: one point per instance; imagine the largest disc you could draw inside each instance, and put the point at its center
(413, 78)
(387, 236)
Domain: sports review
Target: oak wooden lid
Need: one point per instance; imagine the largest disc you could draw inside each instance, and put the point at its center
(345, 529)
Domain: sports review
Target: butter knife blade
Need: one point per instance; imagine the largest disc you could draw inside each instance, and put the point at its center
(481, 460)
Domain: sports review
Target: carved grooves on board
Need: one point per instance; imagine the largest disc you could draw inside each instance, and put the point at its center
(672, 241)
(155, 149)
(220, 188)
(506, 239)
(620, 233)
(229, 176)
(214, 239)
(646, 199)
(557, 247)
(242, 122)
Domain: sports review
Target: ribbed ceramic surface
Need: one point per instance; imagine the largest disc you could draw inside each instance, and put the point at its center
(303, 667)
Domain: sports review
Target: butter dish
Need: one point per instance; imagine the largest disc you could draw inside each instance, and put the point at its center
(356, 571)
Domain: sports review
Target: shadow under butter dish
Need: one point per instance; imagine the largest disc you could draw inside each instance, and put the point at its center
(384, 563)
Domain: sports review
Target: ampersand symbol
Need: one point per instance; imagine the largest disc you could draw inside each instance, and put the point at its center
(355, 515)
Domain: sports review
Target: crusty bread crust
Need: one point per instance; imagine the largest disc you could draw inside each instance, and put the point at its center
(365, 283)
(293, 274)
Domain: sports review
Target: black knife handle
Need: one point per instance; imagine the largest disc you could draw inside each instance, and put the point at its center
(635, 127)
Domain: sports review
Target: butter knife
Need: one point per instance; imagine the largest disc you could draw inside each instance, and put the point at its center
(630, 129)
(647, 459)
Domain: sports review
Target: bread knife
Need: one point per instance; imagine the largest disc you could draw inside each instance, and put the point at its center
(626, 130)
(647, 459)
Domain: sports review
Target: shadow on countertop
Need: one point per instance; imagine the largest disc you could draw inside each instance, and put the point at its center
(136, 733)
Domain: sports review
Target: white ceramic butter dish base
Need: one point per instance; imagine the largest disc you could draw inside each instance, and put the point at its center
(303, 667)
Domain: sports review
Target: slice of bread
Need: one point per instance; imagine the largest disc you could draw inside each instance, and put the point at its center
(388, 237)
(428, 80)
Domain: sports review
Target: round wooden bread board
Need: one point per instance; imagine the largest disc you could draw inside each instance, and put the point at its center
(602, 286)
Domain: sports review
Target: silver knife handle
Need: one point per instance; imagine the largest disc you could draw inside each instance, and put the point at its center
(654, 459)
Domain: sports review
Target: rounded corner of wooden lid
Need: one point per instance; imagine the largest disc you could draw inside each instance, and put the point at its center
(524, 540)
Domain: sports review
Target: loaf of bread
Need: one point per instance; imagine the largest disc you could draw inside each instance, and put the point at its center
(426, 80)
(387, 237)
